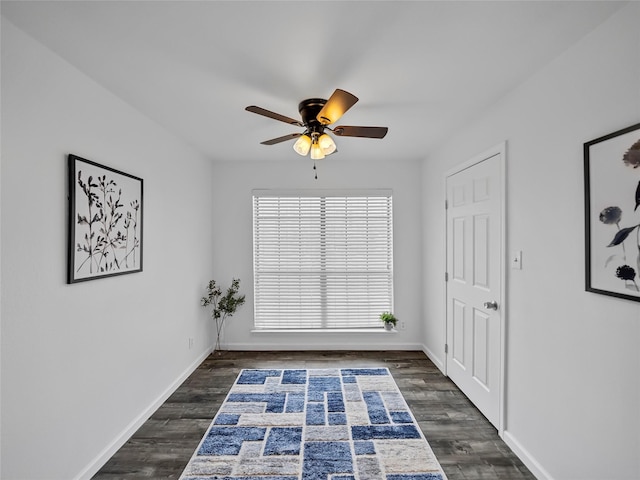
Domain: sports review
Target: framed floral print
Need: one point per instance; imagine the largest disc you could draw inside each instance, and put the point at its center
(105, 221)
(612, 213)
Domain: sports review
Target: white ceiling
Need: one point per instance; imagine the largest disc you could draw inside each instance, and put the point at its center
(423, 69)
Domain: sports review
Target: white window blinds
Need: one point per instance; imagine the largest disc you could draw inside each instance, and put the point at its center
(322, 260)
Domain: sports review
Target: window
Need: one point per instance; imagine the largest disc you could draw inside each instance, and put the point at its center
(322, 260)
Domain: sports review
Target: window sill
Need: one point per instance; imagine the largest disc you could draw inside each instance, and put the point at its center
(323, 330)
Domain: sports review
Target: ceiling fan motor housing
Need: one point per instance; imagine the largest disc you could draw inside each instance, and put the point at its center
(309, 110)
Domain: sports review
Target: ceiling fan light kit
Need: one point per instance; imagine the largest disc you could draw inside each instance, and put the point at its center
(302, 145)
(317, 114)
(316, 152)
(327, 144)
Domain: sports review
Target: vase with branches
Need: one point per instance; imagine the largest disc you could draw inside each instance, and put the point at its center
(223, 306)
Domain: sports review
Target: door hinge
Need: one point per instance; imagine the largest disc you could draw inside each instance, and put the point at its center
(446, 204)
(446, 276)
(446, 348)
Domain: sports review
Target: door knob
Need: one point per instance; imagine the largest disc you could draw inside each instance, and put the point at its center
(491, 305)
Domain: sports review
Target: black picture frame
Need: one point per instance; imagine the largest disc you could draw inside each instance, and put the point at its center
(612, 214)
(105, 221)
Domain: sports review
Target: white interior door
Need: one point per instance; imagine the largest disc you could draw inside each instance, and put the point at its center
(474, 282)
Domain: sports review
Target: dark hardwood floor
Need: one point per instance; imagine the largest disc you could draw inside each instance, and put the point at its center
(465, 443)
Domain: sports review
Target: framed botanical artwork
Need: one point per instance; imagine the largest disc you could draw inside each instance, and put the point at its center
(105, 221)
(612, 213)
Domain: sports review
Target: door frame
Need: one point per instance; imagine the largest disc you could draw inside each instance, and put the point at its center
(499, 149)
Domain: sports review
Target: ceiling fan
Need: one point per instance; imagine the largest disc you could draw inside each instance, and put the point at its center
(317, 114)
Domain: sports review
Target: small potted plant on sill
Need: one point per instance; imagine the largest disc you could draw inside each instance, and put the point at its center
(223, 305)
(389, 320)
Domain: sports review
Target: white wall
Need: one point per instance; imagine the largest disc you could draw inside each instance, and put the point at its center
(74, 384)
(233, 253)
(81, 363)
(573, 367)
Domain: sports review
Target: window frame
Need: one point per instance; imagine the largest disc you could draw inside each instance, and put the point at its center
(261, 323)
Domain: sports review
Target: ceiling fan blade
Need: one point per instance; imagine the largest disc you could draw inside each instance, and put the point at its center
(275, 116)
(339, 102)
(366, 132)
(273, 141)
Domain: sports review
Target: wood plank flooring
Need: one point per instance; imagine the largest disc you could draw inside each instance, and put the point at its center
(465, 443)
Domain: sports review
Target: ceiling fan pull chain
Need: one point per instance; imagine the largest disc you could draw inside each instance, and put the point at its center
(315, 170)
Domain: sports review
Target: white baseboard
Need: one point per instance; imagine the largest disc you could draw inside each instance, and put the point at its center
(434, 358)
(282, 347)
(102, 458)
(523, 454)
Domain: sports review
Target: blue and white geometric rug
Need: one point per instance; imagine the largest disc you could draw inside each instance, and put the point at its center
(329, 424)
